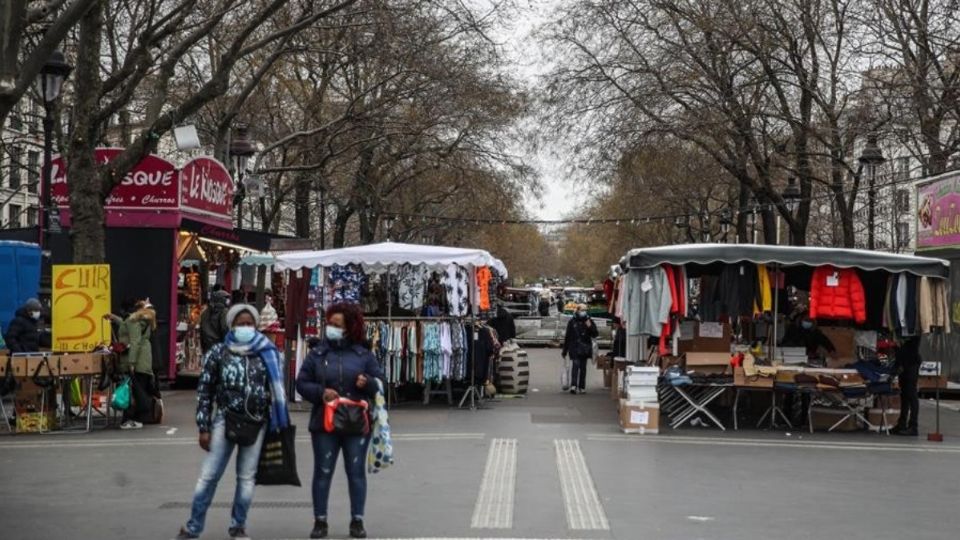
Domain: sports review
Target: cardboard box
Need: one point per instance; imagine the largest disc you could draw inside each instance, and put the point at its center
(708, 362)
(641, 393)
(700, 343)
(740, 379)
(875, 416)
(79, 364)
(31, 398)
(607, 377)
(823, 418)
(891, 401)
(844, 341)
(639, 417)
(931, 383)
(36, 422)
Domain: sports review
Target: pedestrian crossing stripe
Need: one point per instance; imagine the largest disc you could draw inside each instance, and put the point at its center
(494, 508)
(580, 497)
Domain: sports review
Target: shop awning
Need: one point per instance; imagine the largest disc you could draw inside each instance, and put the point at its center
(389, 255)
(786, 256)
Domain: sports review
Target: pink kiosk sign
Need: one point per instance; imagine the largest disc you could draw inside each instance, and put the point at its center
(156, 194)
(938, 213)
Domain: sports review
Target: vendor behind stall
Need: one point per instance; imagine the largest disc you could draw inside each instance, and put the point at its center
(803, 332)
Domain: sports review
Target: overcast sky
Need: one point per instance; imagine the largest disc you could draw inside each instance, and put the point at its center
(559, 197)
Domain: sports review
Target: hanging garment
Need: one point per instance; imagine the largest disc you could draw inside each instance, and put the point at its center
(933, 305)
(608, 286)
(675, 303)
(446, 347)
(411, 286)
(765, 292)
(837, 293)
(484, 276)
(648, 301)
(621, 307)
(458, 294)
(347, 283)
(737, 291)
(432, 353)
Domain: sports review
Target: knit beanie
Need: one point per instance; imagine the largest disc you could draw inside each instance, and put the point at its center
(237, 309)
(32, 304)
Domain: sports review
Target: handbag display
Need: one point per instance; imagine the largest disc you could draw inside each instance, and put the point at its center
(277, 465)
(9, 384)
(44, 381)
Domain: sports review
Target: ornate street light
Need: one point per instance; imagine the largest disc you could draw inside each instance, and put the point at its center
(870, 159)
(242, 148)
(52, 75)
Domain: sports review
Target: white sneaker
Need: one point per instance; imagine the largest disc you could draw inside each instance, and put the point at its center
(131, 424)
(582, 391)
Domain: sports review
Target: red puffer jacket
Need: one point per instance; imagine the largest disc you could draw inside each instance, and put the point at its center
(837, 293)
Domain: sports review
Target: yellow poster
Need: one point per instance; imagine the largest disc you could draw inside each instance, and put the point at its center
(81, 297)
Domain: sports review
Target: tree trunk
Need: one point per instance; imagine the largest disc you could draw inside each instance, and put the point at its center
(302, 207)
(86, 197)
(340, 227)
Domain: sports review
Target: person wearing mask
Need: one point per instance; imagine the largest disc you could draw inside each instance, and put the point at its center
(213, 321)
(340, 366)
(136, 332)
(578, 345)
(23, 335)
(908, 362)
(806, 334)
(241, 389)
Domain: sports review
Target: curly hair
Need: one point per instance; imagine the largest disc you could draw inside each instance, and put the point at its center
(352, 318)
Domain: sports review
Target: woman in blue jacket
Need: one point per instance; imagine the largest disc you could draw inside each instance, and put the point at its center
(340, 366)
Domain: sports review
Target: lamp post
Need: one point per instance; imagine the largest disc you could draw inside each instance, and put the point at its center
(870, 159)
(791, 199)
(388, 222)
(242, 148)
(726, 219)
(52, 74)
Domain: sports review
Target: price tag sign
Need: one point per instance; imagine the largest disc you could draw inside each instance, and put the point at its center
(81, 297)
(833, 280)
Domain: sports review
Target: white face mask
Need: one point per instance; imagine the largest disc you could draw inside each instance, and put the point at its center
(334, 333)
(34, 315)
(244, 334)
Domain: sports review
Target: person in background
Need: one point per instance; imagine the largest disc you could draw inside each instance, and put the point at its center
(619, 348)
(804, 333)
(908, 362)
(241, 377)
(136, 332)
(578, 344)
(504, 324)
(340, 366)
(213, 321)
(23, 335)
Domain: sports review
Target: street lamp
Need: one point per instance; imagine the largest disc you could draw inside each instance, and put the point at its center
(791, 199)
(870, 159)
(726, 219)
(242, 148)
(52, 74)
(388, 222)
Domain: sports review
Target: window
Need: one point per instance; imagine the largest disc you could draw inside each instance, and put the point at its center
(32, 216)
(33, 170)
(903, 201)
(15, 123)
(14, 167)
(903, 235)
(902, 169)
(13, 215)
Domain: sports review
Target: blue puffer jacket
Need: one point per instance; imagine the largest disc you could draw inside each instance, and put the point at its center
(322, 369)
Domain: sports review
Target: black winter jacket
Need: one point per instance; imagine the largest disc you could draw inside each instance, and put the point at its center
(213, 325)
(579, 338)
(23, 335)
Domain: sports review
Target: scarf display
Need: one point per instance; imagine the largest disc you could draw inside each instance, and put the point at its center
(261, 346)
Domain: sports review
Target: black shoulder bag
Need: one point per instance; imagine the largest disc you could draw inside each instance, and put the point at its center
(243, 428)
(9, 383)
(346, 416)
(44, 381)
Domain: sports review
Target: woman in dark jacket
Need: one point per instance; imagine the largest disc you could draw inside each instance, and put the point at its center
(578, 344)
(340, 366)
(23, 335)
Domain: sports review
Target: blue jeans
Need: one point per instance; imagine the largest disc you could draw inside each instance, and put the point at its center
(213, 466)
(326, 449)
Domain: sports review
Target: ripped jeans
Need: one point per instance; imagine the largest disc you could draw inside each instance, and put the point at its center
(326, 449)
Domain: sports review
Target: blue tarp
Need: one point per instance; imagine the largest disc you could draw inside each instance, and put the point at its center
(19, 276)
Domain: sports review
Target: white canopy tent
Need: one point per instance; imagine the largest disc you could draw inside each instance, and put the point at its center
(379, 258)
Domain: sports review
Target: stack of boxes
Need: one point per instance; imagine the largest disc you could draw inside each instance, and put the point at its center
(639, 404)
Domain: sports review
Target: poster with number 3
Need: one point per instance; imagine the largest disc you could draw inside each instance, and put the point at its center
(81, 297)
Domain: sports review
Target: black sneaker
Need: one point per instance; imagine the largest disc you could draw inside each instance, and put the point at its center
(573, 390)
(238, 533)
(186, 535)
(320, 529)
(357, 530)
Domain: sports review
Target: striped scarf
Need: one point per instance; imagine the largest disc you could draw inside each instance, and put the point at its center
(261, 346)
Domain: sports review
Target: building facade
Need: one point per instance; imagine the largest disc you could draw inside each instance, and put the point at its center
(21, 159)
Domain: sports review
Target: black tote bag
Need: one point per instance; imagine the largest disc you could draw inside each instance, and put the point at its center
(278, 458)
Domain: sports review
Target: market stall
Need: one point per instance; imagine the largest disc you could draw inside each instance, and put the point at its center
(423, 304)
(802, 325)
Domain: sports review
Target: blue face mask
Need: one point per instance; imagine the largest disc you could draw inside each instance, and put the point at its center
(806, 325)
(334, 333)
(244, 334)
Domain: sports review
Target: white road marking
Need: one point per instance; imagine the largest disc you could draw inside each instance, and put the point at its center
(581, 501)
(52, 441)
(447, 538)
(494, 508)
(702, 519)
(761, 443)
(171, 431)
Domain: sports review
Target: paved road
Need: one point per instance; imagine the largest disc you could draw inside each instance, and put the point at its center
(549, 466)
